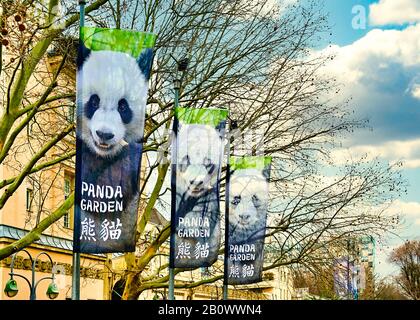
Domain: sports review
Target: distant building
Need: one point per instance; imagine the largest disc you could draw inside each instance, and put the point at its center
(366, 248)
(366, 252)
(351, 268)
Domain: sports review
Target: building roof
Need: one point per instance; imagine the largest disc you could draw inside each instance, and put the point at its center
(14, 233)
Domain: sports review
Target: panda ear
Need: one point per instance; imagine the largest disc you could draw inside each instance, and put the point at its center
(221, 128)
(266, 173)
(145, 62)
(177, 127)
(231, 171)
(82, 54)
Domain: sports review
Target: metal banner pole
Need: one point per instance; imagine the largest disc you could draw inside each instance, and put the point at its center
(233, 126)
(75, 289)
(182, 67)
(171, 295)
(225, 267)
(171, 289)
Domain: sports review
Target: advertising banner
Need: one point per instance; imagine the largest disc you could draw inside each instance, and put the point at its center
(345, 278)
(112, 85)
(247, 200)
(197, 154)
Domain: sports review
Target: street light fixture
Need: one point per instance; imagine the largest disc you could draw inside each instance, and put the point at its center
(183, 64)
(11, 288)
(182, 67)
(52, 291)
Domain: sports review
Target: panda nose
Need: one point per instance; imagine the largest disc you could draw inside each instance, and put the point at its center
(244, 216)
(104, 135)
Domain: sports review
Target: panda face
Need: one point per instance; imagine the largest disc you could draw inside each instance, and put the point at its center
(248, 196)
(112, 98)
(106, 127)
(198, 159)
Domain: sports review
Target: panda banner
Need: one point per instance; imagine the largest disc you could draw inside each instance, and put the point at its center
(345, 278)
(112, 85)
(197, 154)
(247, 199)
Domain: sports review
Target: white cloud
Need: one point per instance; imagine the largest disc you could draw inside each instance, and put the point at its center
(415, 90)
(406, 151)
(408, 209)
(412, 164)
(394, 12)
(380, 72)
(385, 46)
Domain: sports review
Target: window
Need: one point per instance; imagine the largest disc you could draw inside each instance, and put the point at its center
(29, 199)
(68, 187)
(66, 222)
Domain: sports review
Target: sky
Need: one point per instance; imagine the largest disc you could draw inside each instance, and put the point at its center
(377, 47)
(379, 63)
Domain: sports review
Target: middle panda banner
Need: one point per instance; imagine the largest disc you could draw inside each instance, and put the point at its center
(247, 197)
(197, 155)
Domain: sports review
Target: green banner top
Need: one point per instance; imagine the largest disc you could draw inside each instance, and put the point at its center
(201, 116)
(127, 41)
(254, 162)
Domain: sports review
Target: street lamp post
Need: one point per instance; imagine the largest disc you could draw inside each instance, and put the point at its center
(75, 288)
(182, 67)
(11, 288)
(233, 126)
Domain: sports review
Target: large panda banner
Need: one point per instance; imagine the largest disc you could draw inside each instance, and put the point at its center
(247, 200)
(197, 154)
(112, 85)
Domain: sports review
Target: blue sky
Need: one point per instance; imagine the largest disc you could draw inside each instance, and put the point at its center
(380, 65)
(341, 17)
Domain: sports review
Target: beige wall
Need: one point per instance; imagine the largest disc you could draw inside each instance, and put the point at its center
(91, 287)
(51, 182)
(14, 213)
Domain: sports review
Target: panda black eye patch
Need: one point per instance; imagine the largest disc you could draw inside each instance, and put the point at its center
(209, 166)
(256, 201)
(236, 200)
(124, 110)
(92, 105)
(184, 163)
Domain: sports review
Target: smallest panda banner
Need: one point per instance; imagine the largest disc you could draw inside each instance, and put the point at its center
(112, 84)
(197, 153)
(345, 278)
(247, 198)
